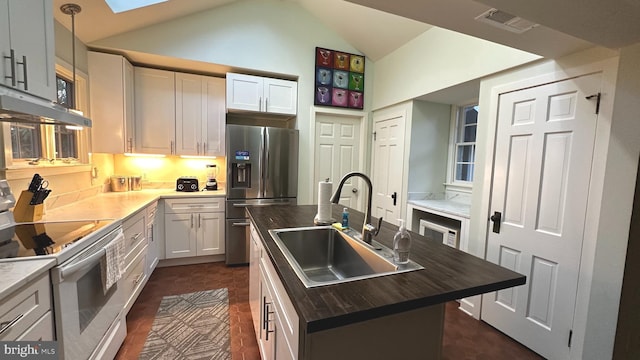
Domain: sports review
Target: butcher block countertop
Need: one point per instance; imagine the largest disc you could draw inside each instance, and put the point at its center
(448, 274)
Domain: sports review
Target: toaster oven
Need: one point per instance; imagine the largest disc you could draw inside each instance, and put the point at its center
(187, 183)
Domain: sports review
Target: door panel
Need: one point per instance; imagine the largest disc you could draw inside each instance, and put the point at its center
(281, 163)
(337, 152)
(544, 149)
(244, 159)
(388, 166)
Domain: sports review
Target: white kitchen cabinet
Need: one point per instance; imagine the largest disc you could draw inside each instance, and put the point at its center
(200, 115)
(136, 245)
(155, 111)
(194, 227)
(26, 313)
(112, 101)
(153, 252)
(260, 94)
(27, 44)
(275, 320)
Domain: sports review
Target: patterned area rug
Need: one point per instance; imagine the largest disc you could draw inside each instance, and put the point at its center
(190, 326)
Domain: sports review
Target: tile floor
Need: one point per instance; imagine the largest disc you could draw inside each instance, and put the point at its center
(464, 337)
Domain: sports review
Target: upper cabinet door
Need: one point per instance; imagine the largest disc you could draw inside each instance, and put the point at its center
(190, 110)
(281, 96)
(155, 111)
(244, 92)
(111, 94)
(259, 94)
(213, 130)
(29, 28)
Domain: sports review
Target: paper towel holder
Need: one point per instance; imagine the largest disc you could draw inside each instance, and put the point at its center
(322, 222)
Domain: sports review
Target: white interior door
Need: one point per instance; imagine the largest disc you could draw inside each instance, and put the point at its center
(388, 166)
(337, 152)
(544, 149)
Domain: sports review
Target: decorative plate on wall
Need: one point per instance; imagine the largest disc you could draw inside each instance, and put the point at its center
(339, 79)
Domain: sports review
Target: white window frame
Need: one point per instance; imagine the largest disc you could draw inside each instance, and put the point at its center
(452, 184)
(48, 132)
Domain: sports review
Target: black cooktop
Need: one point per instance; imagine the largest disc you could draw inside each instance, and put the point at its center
(45, 238)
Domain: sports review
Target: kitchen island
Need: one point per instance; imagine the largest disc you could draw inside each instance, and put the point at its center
(393, 316)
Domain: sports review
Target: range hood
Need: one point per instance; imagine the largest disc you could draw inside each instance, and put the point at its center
(20, 107)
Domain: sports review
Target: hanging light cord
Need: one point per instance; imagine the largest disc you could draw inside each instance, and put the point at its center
(72, 9)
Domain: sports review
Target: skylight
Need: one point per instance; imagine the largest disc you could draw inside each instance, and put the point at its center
(118, 6)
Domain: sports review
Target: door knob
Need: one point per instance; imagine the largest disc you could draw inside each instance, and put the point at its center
(354, 190)
(497, 219)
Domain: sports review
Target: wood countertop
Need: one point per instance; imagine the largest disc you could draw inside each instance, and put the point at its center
(448, 274)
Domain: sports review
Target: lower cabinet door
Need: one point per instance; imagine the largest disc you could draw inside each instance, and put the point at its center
(210, 230)
(180, 237)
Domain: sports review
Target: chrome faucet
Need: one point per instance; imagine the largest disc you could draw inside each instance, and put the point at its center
(368, 230)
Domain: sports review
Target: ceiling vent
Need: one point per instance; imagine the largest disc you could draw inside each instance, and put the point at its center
(505, 21)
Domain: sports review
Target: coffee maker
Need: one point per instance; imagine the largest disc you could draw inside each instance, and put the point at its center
(212, 174)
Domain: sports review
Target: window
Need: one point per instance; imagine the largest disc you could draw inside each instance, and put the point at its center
(66, 141)
(465, 143)
(58, 144)
(26, 141)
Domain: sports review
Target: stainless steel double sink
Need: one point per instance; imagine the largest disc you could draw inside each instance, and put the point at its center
(323, 255)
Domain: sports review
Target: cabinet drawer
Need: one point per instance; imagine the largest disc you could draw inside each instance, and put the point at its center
(133, 279)
(23, 308)
(134, 233)
(193, 204)
(42, 330)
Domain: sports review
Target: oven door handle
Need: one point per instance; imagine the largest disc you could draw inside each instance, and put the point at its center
(89, 260)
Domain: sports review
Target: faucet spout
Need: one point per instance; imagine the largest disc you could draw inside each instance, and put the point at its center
(368, 230)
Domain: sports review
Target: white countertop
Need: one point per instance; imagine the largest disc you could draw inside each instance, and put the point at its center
(112, 205)
(444, 206)
(119, 205)
(15, 274)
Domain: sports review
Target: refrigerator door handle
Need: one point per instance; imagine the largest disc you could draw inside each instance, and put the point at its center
(263, 171)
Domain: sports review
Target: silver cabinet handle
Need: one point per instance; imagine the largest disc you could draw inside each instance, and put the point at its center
(243, 224)
(130, 145)
(12, 58)
(260, 103)
(24, 72)
(266, 104)
(171, 147)
(199, 221)
(267, 321)
(198, 148)
(6, 325)
(204, 148)
(138, 279)
(192, 221)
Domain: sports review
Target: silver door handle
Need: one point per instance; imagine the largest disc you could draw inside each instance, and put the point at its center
(243, 224)
(354, 190)
(12, 58)
(24, 72)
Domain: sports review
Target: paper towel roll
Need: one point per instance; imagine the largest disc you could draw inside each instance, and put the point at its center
(324, 201)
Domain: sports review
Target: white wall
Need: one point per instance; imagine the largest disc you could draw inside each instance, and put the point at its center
(265, 36)
(436, 60)
(429, 142)
(611, 190)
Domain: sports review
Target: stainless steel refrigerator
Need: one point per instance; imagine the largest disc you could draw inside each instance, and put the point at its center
(262, 169)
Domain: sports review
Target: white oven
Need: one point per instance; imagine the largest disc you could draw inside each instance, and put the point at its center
(87, 319)
(446, 234)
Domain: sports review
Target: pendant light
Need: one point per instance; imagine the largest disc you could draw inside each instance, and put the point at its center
(72, 9)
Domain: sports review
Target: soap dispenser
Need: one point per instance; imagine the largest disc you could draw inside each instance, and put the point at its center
(345, 218)
(401, 244)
